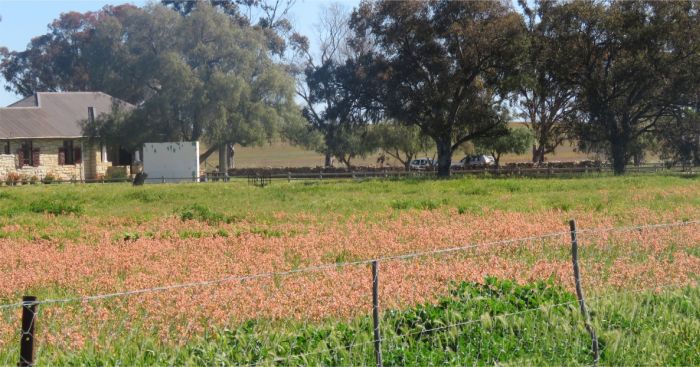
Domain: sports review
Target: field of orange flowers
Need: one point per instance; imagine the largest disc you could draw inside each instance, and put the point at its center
(149, 254)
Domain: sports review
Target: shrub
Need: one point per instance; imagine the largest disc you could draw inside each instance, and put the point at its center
(49, 178)
(56, 207)
(116, 174)
(12, 178)
(24, 178)
(34, 180)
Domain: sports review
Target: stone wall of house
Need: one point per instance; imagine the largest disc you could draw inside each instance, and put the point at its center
(95, 167)
(91, 167)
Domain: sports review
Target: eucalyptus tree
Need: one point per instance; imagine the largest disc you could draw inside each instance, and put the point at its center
(629, 65)
(545, 96)
(269, 16)
(443, 66)
(401, 142)
(203, 76)
(517, 141)
(332, 94)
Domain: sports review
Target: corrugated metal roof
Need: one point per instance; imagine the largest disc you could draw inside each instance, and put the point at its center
(26, 102)
(53, 114)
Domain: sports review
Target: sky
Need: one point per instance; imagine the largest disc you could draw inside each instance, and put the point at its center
(24, 19)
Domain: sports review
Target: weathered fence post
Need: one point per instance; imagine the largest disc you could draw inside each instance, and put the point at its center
(26, 346)
(162, 179)
(375, 313)
(289, 176)
(579, 294)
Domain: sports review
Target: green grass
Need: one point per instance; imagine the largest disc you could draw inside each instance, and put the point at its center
(639, 329)
(373, 199)
(281, 154)
(498, 322)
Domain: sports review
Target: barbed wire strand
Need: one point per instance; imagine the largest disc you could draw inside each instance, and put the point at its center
(322, 267)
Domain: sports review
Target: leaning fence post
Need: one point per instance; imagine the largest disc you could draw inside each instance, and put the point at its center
(579, 294)
(375, 313)
(26, 346)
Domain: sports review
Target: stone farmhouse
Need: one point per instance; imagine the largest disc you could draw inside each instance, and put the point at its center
(41, 135)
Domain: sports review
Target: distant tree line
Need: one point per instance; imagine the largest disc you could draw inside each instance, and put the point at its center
(404, 77)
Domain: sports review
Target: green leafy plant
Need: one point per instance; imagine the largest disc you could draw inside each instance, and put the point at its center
(425, 204)
(56, 206)
(203, 214)
(130, 236)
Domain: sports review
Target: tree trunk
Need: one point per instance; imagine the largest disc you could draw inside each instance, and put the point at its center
(230, 150)
(538, 154)
(444, 152)
(223, 155)
(619, 155)
(327, 162)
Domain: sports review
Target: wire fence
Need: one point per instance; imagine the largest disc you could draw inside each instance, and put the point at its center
(453, 305)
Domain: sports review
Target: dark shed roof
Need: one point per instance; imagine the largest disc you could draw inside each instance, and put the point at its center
(53, 114)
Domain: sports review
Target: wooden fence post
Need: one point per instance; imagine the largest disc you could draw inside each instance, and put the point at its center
(579, 294)
(375, 313)
(26, 346)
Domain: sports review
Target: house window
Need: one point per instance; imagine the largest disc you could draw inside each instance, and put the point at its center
(69, 152)
(27, 156)
(6, 147)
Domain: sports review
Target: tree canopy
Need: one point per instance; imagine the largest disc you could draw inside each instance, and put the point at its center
(333, 97)
(545, 95)
(202, 76)
(443, 65)
(517, 141)
(617, 77)
(400, 141)
(629, 65)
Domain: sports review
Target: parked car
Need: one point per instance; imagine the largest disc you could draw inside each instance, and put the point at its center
(473, 161)
(422, 164)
